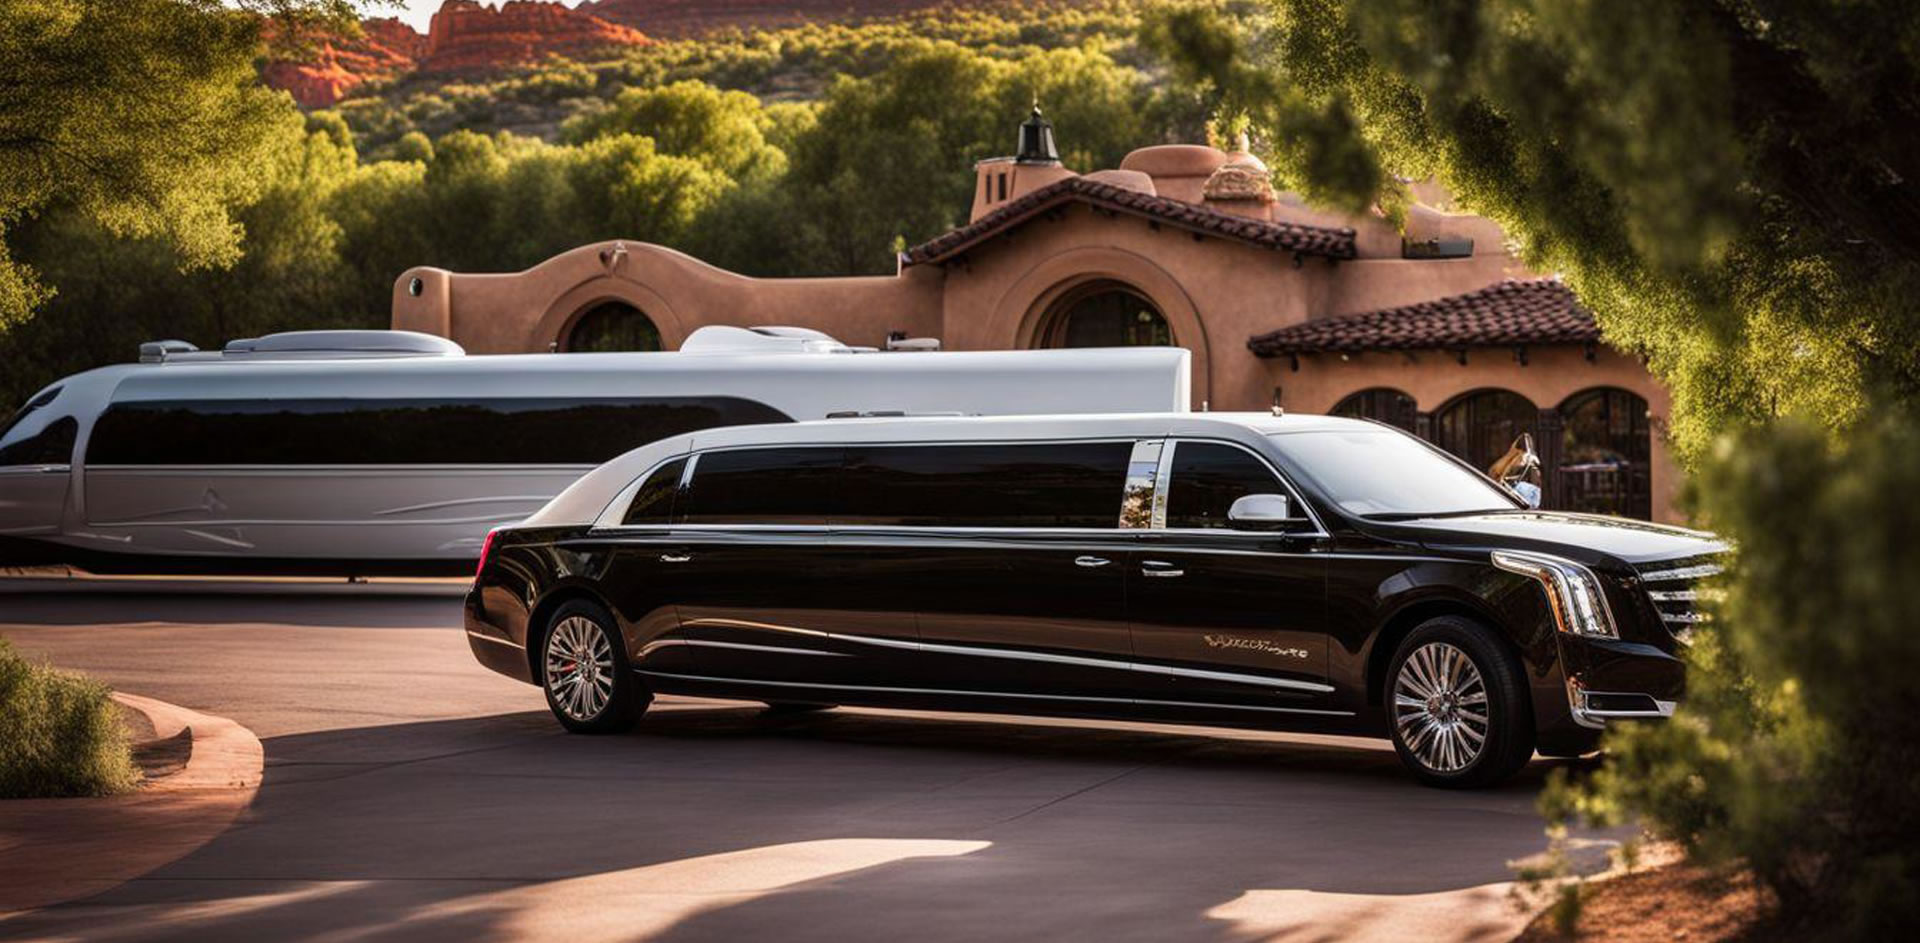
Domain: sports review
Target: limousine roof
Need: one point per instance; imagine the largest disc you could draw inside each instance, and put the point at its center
(587, 498)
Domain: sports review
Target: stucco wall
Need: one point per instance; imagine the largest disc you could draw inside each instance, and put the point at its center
(526, 311)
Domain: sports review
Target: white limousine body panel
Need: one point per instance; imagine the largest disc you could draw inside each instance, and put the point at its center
(146, 478)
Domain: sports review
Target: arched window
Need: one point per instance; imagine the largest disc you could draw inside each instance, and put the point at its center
(1606, 454)
(1479, 427)
(1380, 403)
(612, 326)
(1106, 314)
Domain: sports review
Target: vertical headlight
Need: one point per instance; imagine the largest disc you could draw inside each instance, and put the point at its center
(1579, 604)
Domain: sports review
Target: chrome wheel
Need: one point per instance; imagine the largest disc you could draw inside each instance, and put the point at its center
(579, 667)
(1440, 707)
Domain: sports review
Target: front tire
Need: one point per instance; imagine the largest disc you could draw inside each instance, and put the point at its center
(1457, 705)
(583, 670)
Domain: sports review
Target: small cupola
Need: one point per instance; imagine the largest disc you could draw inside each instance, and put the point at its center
(1036, 140)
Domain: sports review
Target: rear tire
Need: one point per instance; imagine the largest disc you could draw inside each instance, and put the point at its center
(582, 666)
(1457, 705)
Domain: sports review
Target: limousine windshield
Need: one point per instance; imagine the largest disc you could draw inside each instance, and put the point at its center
(1381, 473)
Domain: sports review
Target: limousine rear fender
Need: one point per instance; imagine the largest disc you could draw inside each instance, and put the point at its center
(1513, 608)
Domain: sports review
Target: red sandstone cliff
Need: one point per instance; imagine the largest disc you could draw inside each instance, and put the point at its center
(465, 37)
(680, 18)
(468, 37)
(385, 48)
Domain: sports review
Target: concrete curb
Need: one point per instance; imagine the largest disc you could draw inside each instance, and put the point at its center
(54, 850)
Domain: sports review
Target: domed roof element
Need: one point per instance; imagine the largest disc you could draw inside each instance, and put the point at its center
(1242, 177)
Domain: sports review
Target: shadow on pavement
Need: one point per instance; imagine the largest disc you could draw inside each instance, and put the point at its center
(230, 605)
(717, 821)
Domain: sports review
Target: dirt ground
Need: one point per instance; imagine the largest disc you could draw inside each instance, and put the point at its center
(1671, 903)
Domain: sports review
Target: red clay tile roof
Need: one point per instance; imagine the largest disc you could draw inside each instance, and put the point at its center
(1311, 240)
(1509, 313)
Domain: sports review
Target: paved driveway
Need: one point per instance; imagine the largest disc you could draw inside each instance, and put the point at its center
(409, 794)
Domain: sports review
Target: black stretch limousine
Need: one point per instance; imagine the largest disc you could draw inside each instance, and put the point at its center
(1297, 572)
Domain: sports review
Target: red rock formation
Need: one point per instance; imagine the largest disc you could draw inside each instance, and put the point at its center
(468, 37)
(385, 48)
(465, 37)
(681, 18)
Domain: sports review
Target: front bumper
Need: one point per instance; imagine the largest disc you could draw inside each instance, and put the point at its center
(1611, 679)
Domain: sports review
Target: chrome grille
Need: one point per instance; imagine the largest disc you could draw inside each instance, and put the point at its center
(1671, 586)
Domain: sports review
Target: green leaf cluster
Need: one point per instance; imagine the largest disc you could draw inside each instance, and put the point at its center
(323, 216)
(59, 734)
(1732, 186)
(1794, 752)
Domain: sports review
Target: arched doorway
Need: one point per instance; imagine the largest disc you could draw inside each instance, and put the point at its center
(1480, 426)
(1606, 454)
(1382, 404)
(612, 326)
(1105, 314)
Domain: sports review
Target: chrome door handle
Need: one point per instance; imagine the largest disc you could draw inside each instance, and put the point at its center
(1159, 568)
(675, 557)
(1091, 561)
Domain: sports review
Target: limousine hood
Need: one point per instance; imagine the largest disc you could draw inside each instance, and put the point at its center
(1579, 536)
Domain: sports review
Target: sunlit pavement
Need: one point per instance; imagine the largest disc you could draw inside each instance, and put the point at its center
(410, 794)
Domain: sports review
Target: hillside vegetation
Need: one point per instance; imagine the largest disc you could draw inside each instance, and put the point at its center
(816, 150)
(793, 64)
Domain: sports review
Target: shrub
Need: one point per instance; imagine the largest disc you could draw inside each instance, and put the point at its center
(1794, 753)
(58, 734)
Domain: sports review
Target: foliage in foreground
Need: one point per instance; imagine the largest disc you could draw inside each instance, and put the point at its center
(59, 735)
(1733, 187)
(1794, 753)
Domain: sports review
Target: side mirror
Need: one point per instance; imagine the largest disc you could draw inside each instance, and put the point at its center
(1260, 512)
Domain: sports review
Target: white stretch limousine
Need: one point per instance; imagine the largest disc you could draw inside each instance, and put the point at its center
(358, 452)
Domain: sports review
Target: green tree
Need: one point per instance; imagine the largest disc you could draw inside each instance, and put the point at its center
(1731, 186)
(724, 130)
(143, 115)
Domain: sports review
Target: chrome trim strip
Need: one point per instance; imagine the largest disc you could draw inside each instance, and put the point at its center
(1683, 618)
(651, 647)
(997, 694)
(1597, 720)
(1676, 595)
(497, 641)
(1231, 677)
(1162, 483)
(1698, 571)
(1014, 655)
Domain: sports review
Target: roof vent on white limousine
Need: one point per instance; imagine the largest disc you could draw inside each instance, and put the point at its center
(720, 339)
(301, 345)
(159, 351)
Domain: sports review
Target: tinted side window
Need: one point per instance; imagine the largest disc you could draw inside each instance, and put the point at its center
(52, 445)
(542, 431)
(653, 503)
(1067, 484)
(762, 486)
(1208, 478)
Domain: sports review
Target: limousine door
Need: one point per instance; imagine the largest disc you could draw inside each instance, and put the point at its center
(762, 596)
(1222, 615)
(1013, 556)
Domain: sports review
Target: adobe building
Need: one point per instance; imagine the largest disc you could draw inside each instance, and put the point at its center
(1437, 329)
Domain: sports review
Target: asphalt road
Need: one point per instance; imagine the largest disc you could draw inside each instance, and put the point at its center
(410, 794)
